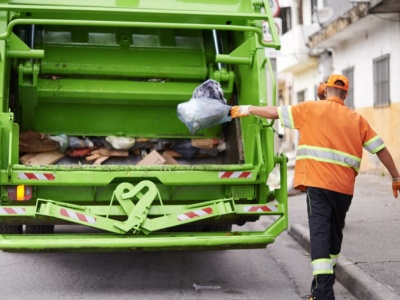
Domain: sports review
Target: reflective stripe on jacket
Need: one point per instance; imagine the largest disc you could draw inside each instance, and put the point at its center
(332, 138)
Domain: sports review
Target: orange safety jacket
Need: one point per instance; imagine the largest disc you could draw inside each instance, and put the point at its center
(332, 137)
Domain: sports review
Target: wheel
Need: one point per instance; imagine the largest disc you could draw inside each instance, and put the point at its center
(39, 229)
(10, 229)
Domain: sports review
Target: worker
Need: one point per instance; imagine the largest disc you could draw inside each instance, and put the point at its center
(321, 91)
(332, 138)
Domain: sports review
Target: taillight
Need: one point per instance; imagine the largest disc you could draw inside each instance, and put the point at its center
(20, 192)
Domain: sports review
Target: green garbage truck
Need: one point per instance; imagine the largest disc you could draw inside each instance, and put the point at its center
(97, 71)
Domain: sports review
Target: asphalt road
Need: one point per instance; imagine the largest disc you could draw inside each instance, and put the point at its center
(281, 271)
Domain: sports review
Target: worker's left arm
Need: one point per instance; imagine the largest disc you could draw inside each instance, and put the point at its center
(387, 160)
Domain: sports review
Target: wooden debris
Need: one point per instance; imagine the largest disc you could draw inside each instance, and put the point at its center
(100, 160)
(95, 154)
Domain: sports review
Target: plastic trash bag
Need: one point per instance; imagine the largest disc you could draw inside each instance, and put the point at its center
(200, 113)
(121, 142)
(210, 89)
(207, 107)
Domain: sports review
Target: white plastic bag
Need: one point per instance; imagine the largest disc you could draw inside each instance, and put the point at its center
(200, 113)
(121, 142)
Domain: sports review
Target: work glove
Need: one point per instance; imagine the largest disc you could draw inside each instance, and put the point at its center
(396, 186)
(239, 111)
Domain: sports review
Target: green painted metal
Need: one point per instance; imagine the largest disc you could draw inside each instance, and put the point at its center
(85, 23)
(101, 242)
(137, 214)
(105, 67)
(18, 49)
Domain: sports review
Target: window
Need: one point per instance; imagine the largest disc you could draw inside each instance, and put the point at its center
(381, 81)
(299, 13)
(301, 96)
(349, 73)
(286, 15)
(314, 7)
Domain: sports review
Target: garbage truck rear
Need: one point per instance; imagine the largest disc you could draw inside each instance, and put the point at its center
(80, 78)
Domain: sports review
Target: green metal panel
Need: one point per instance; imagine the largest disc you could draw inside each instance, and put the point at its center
(105, 67)
(152, 54)
(110, 242)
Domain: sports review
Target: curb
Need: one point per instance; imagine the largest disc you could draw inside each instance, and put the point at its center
(355, 280)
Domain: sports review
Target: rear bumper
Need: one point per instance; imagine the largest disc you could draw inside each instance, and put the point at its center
(110, 242)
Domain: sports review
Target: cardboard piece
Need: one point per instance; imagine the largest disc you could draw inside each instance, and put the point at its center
(153, 158)
(203, 143)
(172, 153)
(31, 141)
(23, 159)
(43, 158)
(169, 160)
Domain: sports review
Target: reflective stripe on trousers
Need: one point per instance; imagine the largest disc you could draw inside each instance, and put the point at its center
(322, 266)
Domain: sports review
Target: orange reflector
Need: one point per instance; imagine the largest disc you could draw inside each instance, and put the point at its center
(20, 192)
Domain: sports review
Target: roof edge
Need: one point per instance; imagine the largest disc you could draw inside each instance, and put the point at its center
(360, 11)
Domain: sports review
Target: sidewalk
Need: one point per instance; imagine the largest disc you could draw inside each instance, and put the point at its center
(369, 264)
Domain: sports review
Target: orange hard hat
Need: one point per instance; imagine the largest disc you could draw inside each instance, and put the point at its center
(338, 77)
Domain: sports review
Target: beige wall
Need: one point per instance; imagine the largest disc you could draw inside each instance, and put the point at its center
(386, 122)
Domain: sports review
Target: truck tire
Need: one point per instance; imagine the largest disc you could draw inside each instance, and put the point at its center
(39, 229)
(10, 229)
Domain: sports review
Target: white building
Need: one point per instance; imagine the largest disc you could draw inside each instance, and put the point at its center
(360, 39)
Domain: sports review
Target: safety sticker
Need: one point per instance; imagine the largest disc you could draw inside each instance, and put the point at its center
(12, 211)
(260, 208)
(36, 176)
(195, 214)
(234, 175)
(77, 216)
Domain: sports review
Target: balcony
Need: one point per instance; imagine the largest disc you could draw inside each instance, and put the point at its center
(353, 23)
(294, 56)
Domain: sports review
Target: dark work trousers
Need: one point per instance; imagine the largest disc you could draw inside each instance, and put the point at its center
(326, 218)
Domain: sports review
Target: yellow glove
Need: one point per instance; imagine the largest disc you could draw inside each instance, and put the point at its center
(396, 186)
(240, 111)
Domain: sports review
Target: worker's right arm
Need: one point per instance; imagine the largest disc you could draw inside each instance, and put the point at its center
(387, 160)
(269, 112)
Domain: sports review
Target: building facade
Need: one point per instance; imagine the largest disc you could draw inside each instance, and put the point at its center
(360, 39)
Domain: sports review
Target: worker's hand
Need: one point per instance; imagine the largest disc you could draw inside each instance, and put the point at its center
(396, 186)
(240, 111)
